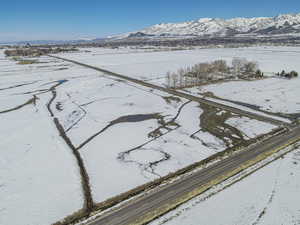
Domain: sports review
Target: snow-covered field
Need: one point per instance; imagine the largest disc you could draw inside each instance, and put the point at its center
(119, 158)
(127, 143)
(248, 128)
(275, 95)
(126, 134)
(269, 196)
(39, 179)
(154, 65)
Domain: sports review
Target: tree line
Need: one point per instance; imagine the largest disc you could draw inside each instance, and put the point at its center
(200, 73)
(289, 75)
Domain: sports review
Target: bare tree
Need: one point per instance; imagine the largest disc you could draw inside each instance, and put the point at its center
(168, 79)
(220, 66)
(237, 65)
(174, 80)
(250, 68)
(202, 70)
(218, 69)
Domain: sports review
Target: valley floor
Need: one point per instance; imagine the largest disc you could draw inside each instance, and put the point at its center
(73, 137)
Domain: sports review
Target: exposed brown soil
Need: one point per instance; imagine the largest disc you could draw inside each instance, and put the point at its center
(26, 62)
(170, 99)
(213, 120)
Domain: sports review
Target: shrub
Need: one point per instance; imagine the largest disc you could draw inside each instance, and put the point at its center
(294, 74)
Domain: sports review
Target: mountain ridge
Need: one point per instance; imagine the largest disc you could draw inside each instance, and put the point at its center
(284, 24)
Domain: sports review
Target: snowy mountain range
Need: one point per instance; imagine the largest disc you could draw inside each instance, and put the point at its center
(288, 24)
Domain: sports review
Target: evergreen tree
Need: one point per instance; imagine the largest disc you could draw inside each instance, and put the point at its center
(294, 74)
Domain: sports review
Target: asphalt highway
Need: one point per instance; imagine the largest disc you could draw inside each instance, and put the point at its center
(166, 195)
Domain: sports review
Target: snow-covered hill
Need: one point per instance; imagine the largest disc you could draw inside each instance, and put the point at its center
(288, 24)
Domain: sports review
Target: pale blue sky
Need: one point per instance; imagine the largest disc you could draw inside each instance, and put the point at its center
(60, 19)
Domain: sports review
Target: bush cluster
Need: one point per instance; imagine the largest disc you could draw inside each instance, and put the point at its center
(289, 75)
(216, 70)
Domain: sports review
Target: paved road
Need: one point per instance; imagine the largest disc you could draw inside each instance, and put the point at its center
(166, 195)
(184, 95)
